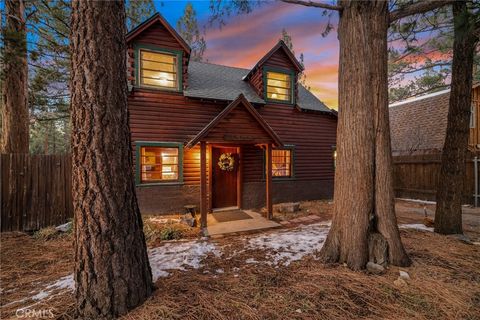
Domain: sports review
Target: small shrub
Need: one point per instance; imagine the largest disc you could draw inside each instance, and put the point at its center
(170, 233)
(155, 231)
(47, 233)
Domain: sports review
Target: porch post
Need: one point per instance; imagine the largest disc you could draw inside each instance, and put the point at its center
(268, 182)
(203, 184)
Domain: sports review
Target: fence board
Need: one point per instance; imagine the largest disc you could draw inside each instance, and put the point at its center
(417, 176)
(35, 191)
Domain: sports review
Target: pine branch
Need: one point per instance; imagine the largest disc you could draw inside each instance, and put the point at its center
(418, 7)
(309, 3)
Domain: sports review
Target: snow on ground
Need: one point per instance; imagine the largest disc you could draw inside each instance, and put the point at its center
(178, 255)
(284, 247)
(281, 247)
(416, 226)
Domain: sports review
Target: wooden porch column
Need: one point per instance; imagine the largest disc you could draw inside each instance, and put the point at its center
(268, 181)
(203, 184)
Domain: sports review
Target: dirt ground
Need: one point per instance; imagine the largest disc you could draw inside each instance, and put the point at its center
(445, 280)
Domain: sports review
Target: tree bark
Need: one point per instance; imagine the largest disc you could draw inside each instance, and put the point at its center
(363, 196)
(385, 220)
(448, 213)
(112, 272)
(15, 115)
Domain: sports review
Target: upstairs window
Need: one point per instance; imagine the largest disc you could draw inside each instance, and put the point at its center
(159, 164)
(282, 163)
(279, 86)
(158, 69)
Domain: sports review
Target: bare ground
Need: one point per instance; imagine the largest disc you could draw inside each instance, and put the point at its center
(445, 281)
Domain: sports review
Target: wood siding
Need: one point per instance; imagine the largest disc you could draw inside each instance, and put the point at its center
(170, 117)
(474, 137)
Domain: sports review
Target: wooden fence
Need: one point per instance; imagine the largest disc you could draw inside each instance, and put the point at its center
(35, 191)
(416, 177)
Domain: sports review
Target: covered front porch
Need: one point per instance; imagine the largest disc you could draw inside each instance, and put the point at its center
(222, 142)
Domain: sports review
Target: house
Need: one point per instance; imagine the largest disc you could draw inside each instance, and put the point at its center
(419, 125)
(223, 137)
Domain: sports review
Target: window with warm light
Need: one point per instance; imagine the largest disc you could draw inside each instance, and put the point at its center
(158, 164)
(279, 86)
(282, 163)
(159, 69)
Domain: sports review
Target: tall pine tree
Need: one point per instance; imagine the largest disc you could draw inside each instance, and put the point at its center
(187, 27)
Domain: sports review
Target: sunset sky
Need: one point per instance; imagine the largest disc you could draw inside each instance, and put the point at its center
(246, 38)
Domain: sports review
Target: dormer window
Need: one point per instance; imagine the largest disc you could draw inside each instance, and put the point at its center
(278, 86)
(159, 69)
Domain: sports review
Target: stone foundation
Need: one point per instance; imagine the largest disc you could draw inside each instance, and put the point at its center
(173, 198)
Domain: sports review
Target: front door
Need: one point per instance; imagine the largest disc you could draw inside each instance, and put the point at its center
(224, 177)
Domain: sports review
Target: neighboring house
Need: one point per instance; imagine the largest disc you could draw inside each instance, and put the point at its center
(187, 116)
(418, 126)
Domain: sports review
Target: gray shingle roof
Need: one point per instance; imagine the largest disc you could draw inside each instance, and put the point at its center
(419, 125)
(211, 81)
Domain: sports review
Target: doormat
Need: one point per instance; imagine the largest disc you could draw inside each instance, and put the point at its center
(234, 215)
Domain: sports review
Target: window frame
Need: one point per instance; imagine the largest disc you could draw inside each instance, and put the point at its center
(138, 165)
(155, 49)
(473, 115)
(289, 72)
(292, 163)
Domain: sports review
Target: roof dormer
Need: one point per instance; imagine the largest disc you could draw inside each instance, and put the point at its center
(275, 76)
(158, 56)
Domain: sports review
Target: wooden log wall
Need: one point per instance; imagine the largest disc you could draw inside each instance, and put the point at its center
(35, 191)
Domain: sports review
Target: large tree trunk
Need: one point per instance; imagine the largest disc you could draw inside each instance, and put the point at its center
(385, 221)
(15, 117)
(112, 271)
(363, 198)
(448, 214)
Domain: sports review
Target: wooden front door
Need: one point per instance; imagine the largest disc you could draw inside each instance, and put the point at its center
(224, 182)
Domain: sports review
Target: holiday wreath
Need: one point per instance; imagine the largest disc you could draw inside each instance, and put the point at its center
(226, 162)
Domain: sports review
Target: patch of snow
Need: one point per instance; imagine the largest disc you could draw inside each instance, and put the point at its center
(178, 256)
(164, 220)
(220, 271)
(416, 226)
(284, 247)
(64, 227)
(417, 200)
(251, 260)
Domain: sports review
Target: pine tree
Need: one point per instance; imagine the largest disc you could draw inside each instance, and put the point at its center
(448, 213)
(112, 272)
(49, 65)
(287, 39)
(14, 74)
(187, 27)
(420, 54)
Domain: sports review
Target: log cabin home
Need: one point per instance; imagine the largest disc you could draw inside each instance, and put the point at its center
(419, 125)
(223, 137)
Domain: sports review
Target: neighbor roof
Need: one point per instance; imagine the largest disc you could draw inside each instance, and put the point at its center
(419, 124)
(212, 81)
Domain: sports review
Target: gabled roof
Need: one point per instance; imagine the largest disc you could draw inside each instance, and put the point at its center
(157, 18)
(279, 46)
(238, 102)
(216, 82)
